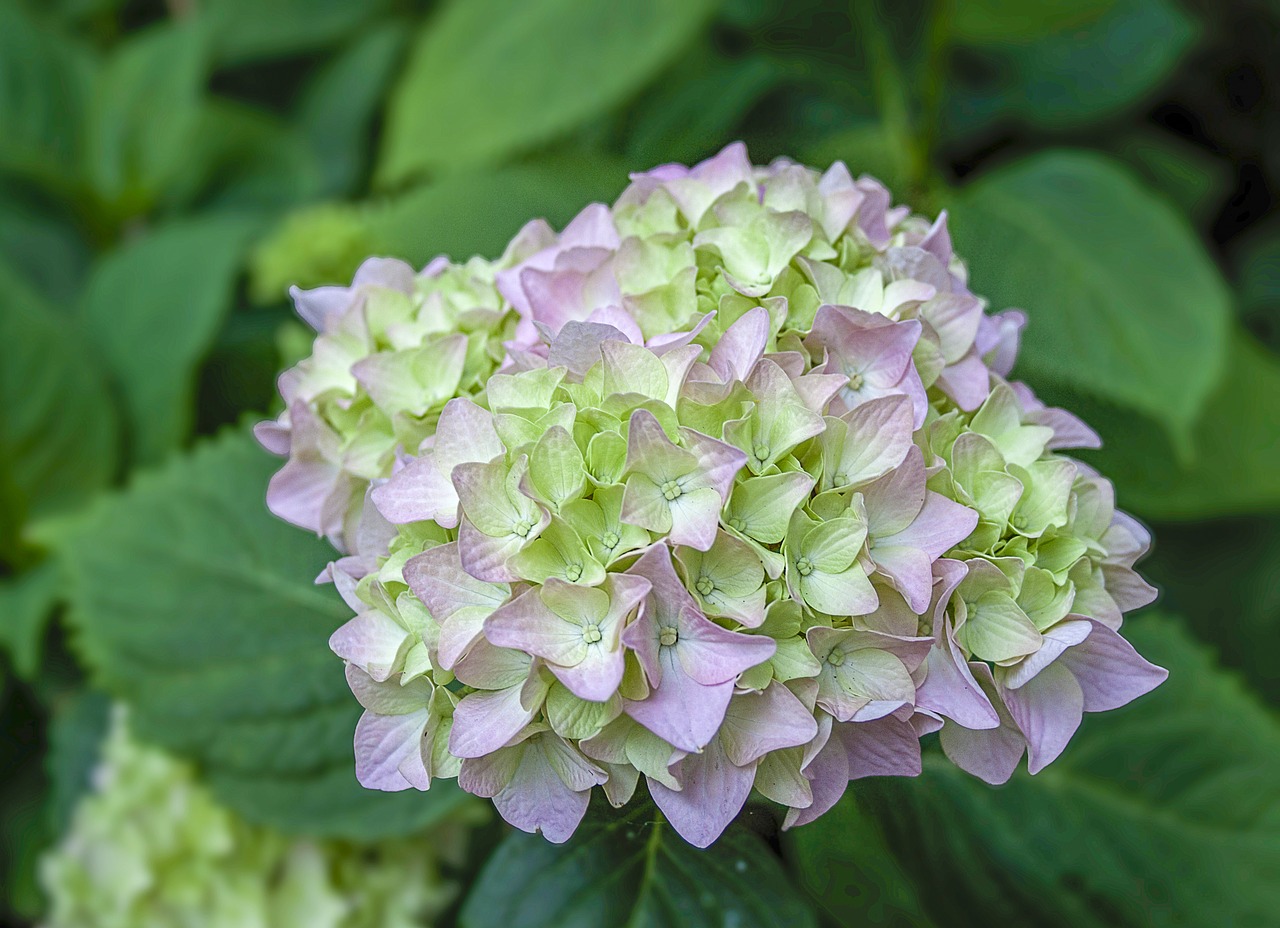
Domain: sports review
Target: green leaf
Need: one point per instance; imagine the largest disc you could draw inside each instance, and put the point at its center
(1163, 813)
(1258, 260)
(46, 83)
(145, 114)
(76, 731)
(479, 213)
(460, 215)
(1210, 570)
(195, 606)
(630, 869)
(488, 78)
(153, 307)
(1123, 301)
(842, 860)
(44, 240)
(1013, 21)
(244, 158)
(340, 103)
(248, 30)
(1196, 180)
(691, 112)
(26, 604)
(58, 429)
(868, 147)
(1073, 76)
(1233, 467)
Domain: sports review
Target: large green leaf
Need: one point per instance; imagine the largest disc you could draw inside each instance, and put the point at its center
(460, 215)
(1221, 575)
(1233, 465)
(844, 863)
(628, 869)
(248, 30)
(153, 307)
(695, 108)
(488, 78)
(146, 111)
(1258, 263)
(479, 213)
(46, 81)
(1078, 73)
(339, 105)
(194, 605)
(1013, 21)
(43, 241)
(1164, 813)
(26, 604)
(244, 158)
(58, 428)
(1123, 301)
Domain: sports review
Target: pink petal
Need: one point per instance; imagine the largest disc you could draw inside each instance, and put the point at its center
(680, 710)
(1046, 710)
(713, 792)
(770, 720)
(1110, 672)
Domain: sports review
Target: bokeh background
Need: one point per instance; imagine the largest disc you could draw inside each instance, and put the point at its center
(167, 170)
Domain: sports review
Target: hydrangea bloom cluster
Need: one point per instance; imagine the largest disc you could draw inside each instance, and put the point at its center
(744, 500)
(150, 846)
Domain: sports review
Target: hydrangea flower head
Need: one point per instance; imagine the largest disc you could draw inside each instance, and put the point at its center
(734, 494)
(150, 846)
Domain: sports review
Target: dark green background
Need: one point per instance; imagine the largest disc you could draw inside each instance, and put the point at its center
(168, 169)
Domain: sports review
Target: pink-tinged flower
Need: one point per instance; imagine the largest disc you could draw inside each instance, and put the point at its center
(539, 784)
(873, 352)
(510, 687)
(500, 518)
(690, 662)
(402, 738)
(715, 784)
(865, 675)
(322, 307)
(695, 189)
(724, 485)
(909, 527)
(823, 569)
(457, 601)
(422, 490)
(312, 490)
(577, 630)
(845, 751)
(677, 490)
(866, 443)
(1085, 667)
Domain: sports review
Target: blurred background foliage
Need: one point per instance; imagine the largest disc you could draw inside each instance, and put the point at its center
(167, 170)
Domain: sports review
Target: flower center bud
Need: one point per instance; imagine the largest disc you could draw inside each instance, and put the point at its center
(855, 381)
(671, 491)
(1019, 521)
(522, 528)
(840, 479)
(573, 572)
(591, 634)
(836, 657)
(804, 566)
(738, 525)
(761, 452)
(610, 540)
(668, 636)
(705, 586)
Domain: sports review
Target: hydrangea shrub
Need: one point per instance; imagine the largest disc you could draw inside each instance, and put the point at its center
(724, 486)
(150, 846)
